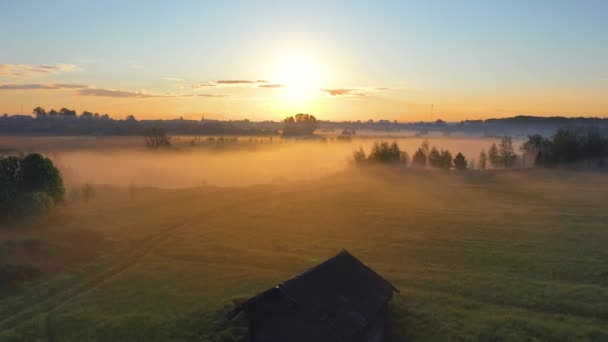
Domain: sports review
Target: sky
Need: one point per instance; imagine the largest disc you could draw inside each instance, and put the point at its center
(338, 60)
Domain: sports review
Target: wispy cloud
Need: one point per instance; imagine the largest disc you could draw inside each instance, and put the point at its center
(31, 70)
(355, 91)
(342, 92)
(211, 95)
(116, 93)
(272, 85)
(230, 83)
(234, 82)
(41, 86)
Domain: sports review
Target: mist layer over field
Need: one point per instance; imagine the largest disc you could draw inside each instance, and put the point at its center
(123, 161)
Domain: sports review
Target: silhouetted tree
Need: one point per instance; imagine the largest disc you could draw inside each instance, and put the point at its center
(460, 162)
(86, 115)
(38, 174)
(493, 155)
(434, 158)
(506, 152)
(28, 186)
(67, 112)
(39, 112)
(300, 124)
(483, 160)
(419, 158)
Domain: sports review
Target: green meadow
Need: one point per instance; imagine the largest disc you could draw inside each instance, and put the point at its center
(495, 255)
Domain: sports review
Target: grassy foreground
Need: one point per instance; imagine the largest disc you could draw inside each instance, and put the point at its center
(515, 255)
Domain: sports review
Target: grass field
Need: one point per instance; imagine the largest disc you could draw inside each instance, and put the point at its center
(505, 255)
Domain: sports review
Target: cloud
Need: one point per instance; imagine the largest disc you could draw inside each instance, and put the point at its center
(30, 70)
(272, 85)
(196, 86)
(341, 92)
(211, 95)
(229, 83)
(116, 93)
(234, 82)
(173, 79)
(40, 86)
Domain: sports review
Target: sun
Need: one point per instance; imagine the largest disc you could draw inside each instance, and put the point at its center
(301, 76)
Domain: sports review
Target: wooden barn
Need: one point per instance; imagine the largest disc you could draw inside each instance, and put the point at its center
(340, 299)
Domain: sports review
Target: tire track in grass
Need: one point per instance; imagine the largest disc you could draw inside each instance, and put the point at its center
(65, 295)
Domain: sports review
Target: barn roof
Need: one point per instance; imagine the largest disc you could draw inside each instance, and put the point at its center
(342, 294)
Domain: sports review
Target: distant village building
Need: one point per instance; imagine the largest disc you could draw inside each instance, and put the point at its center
(340, 300)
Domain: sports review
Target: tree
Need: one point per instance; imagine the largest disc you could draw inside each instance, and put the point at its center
(506, 152)
(86, 115)
(53, 112)
(300, 124)
(38, 174)
(483, 160)
(460, 162)
(493, 155)
(39, 112)
(67, 112)
(435, 158)
(9, 185)
(156, 137)
(383, 152)
(446, 160)
(419, 158)
(28, 186)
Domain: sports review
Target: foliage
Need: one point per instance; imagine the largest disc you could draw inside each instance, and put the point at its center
(506, 153)
(156, 138)
(440, 159)
(359, 155)
(493, 156)
(29, 186)
(382, 152)
(460, 162)
(483, 160)
(567, 146)
(300, 124)
(419, 158)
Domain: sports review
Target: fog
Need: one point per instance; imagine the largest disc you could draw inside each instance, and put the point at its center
(123, 161)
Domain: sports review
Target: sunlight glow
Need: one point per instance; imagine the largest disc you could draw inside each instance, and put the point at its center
(301, 74)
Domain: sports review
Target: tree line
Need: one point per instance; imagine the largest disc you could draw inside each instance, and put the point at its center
(568, 146)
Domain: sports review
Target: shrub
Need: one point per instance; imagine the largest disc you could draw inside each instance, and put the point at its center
(359, 155)
(156, 138)
(28, 186)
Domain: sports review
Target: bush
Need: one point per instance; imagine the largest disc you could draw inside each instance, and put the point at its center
(156, 138)
(28, 186)
(33, 204)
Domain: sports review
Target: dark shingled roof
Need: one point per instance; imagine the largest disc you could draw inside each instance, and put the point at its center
(342, 294)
